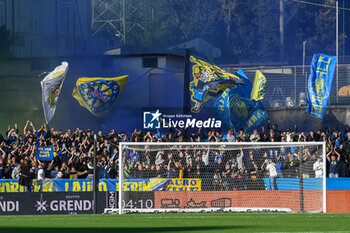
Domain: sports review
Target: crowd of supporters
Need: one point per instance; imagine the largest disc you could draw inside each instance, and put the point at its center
(73, 154)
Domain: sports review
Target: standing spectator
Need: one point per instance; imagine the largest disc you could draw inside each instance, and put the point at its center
(172, 171)
(249, 164)
(318, 168)
(271, 168)
(255, 137)
(12, 134)
(279, 166)
(56, 173)
(241, 137)
(292, 165)
(40, 172)
(16, 172)
(218, 155)
(73, 173)
(205, 157)
(239, 159)
(2, 161)
(311, 137)
(158, 171)
(342, 168)
(226, 177)
(218, 170)
(25, 176)
(302, 137)
(333, 166)
(273, 136)
(229, 137)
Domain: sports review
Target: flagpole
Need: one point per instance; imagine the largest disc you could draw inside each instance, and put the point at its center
(95, 177)
(336, 48)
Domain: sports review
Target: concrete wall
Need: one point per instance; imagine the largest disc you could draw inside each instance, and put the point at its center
(146, 87)
(287, 117)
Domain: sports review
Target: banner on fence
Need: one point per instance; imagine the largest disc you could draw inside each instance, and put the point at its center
(83, 185)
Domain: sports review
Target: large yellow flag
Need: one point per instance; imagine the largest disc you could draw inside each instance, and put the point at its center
(258, 91)
(98, 95)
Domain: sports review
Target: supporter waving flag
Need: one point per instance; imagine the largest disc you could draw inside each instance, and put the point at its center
(205, 81)
(99, 95)
(236, 109)
(320, 84)
(51, 87)
(258, 91)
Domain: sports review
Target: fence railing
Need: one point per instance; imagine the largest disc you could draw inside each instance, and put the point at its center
(287, 85)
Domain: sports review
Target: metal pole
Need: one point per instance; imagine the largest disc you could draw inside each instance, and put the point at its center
(304, 42)
(343, 35)
(95, 176)
(337, 48)
(124, 22)
(295, 85)
(120, 178)
(301, 184)
(324, 186)
(281, 30)
(13, 27)
(56, 28)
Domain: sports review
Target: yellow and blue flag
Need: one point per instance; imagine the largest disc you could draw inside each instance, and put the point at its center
(205, 82)
(98, 95)
(237, 110)
(320, 84)
(258, 92)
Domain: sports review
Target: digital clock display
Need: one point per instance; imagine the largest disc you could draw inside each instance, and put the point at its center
(131, 200)
(137, 204)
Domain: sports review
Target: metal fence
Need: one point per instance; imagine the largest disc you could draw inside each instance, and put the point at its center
(287, 85)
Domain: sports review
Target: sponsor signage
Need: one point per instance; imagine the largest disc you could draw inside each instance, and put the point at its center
(71, 202)
(50, 203)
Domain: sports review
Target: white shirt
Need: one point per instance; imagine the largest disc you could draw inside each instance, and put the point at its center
(40, 172)
(205, 158)
(230, 137)
(318, 168)
(272, 169)
(240, 160)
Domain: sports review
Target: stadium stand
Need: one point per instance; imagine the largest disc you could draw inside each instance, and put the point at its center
(73, 153)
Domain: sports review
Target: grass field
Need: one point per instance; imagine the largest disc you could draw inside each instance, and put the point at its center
(202, 222)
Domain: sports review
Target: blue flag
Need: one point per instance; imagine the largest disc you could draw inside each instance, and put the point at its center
(320, 84)
(235, 108)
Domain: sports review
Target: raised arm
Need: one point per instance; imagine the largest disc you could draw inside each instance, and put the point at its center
(328, 156)
(32, 125)
(338, 158)
(25, 127)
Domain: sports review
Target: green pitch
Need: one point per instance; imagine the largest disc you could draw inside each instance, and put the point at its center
(202, 222)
